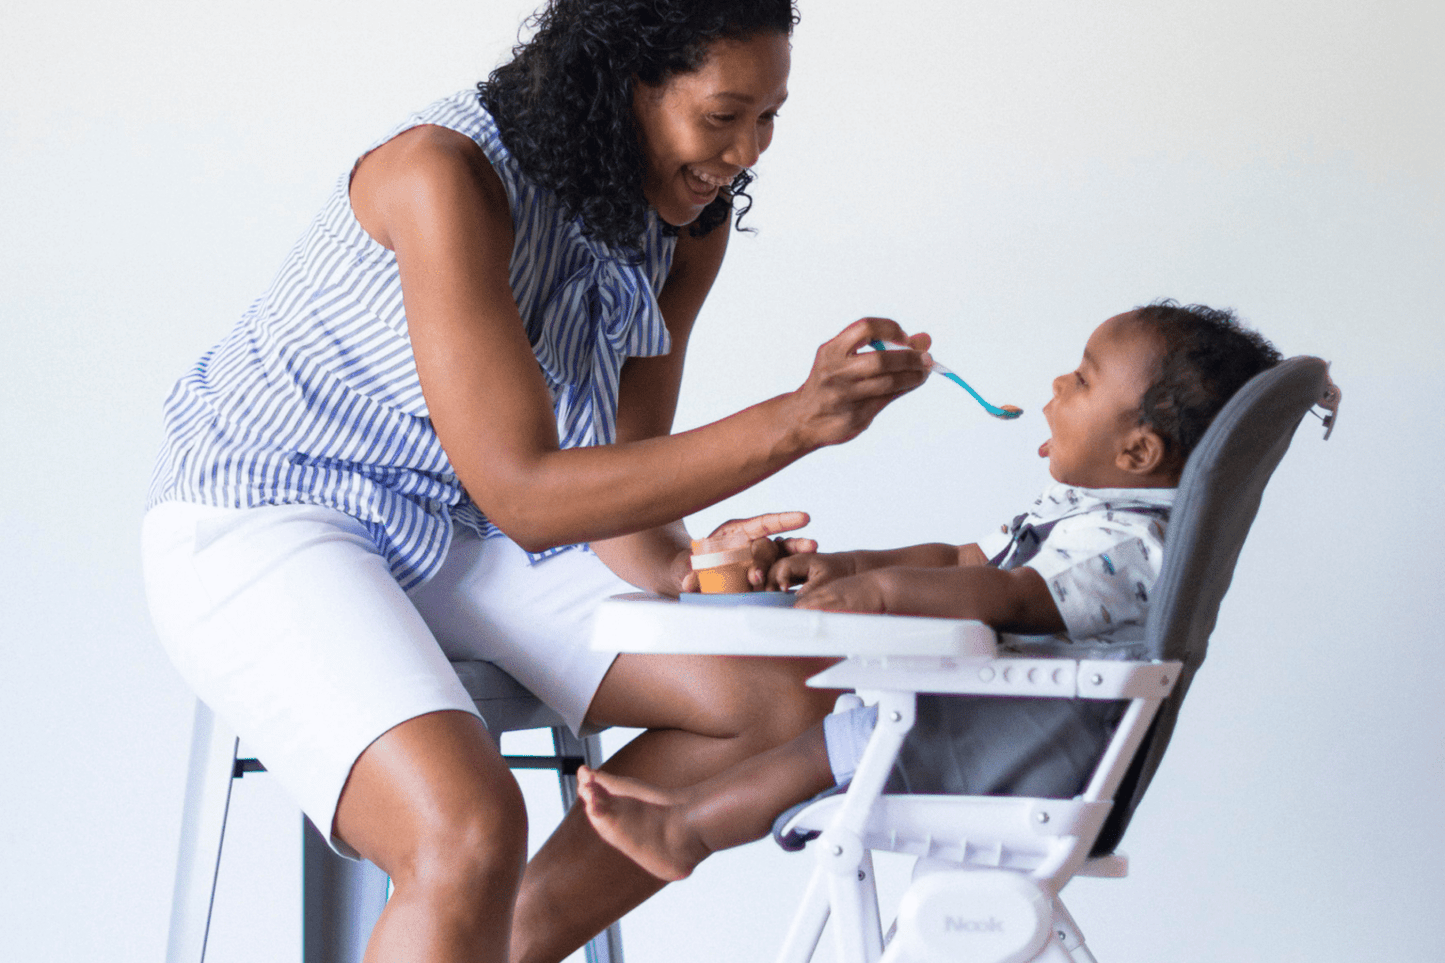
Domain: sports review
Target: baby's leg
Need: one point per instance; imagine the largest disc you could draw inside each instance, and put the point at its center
(669, 831)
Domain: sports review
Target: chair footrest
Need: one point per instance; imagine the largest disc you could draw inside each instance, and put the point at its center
(566, 765)
(1009, 832)
(242, 766)
(1112, 866)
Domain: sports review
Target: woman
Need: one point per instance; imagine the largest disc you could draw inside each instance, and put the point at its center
(468, 366)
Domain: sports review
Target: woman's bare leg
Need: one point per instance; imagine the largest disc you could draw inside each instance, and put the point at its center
(703, 715)
(432, 803)
(669, 831)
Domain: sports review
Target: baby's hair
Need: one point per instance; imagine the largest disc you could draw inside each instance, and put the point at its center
(1207, 356)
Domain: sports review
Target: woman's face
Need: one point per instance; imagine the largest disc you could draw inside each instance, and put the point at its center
(699, 129)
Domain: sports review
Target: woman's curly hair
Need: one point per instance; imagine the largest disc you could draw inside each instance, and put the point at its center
(1207, 356)
(563, 103)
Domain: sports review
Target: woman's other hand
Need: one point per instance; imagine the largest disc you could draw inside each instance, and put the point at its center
(850, 384)
(766, 549)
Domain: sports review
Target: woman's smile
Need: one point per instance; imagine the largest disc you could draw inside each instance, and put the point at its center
(704, 184)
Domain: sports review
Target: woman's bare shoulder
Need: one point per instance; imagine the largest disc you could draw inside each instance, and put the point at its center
(424, 171)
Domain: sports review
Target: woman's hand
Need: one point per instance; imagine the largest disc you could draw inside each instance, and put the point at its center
(811, 569)
(849, 385)
(766, 550)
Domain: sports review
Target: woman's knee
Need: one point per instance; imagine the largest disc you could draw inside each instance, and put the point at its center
(477, 849)
(432, 803)
(766, 701)
(776, 701)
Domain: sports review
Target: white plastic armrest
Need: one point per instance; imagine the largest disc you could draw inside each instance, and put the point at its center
(1103, 679)
(1056, 678)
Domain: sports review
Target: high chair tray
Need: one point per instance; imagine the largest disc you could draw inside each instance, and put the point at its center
(639, 622)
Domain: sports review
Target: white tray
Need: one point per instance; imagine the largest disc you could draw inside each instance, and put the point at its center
(638, 622)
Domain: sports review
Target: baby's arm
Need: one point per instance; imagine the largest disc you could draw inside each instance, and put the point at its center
(1016, 600)
(819, 568)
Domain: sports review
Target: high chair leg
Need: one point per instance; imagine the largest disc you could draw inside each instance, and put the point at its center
(1054, 952)
(1069, 937)
(845, 866)
(801, 941)
(857, 931)
(868, 881)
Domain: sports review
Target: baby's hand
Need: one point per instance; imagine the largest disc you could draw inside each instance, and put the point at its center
(853, 593)
(809, 568)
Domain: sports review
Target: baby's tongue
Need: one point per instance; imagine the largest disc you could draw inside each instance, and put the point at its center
(1044, 450)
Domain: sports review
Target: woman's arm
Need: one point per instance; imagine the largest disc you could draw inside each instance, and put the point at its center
(431, 197)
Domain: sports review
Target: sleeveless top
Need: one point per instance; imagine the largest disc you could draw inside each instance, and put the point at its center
(314, 398)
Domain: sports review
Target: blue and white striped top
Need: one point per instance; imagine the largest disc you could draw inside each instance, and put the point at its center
(314, 398)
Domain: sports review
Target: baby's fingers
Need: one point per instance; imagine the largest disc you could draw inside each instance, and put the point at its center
(796, 546)
(788, 571)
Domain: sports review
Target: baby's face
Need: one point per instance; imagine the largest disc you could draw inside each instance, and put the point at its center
(1095, 407)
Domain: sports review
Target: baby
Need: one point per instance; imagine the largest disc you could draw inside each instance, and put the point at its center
(1077, 568)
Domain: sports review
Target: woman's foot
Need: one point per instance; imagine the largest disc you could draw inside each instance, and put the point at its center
(647, 824)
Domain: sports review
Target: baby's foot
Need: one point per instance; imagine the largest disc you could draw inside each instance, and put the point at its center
(644, 822)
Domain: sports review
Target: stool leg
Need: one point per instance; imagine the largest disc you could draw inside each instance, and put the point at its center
(341, 901)
(203, 830)
(605, 947)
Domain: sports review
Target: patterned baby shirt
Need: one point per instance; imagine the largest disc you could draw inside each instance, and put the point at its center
(1099, 550)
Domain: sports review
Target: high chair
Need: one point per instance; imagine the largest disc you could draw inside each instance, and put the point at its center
(990, 868)
(342, 898)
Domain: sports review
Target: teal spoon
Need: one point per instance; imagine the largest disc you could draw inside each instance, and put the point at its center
(1007, 412)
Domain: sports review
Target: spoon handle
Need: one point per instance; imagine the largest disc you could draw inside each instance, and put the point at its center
(937, 368)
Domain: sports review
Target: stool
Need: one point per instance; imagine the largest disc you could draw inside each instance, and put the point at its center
(342, 898)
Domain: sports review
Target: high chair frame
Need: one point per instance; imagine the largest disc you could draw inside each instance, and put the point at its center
(1047, 841)
(990, 868)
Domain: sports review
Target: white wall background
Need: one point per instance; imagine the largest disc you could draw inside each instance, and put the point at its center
(1001, 174)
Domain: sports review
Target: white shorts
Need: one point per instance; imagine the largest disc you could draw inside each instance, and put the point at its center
(286, 621)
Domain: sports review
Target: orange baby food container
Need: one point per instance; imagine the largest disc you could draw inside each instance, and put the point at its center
(721, 563)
